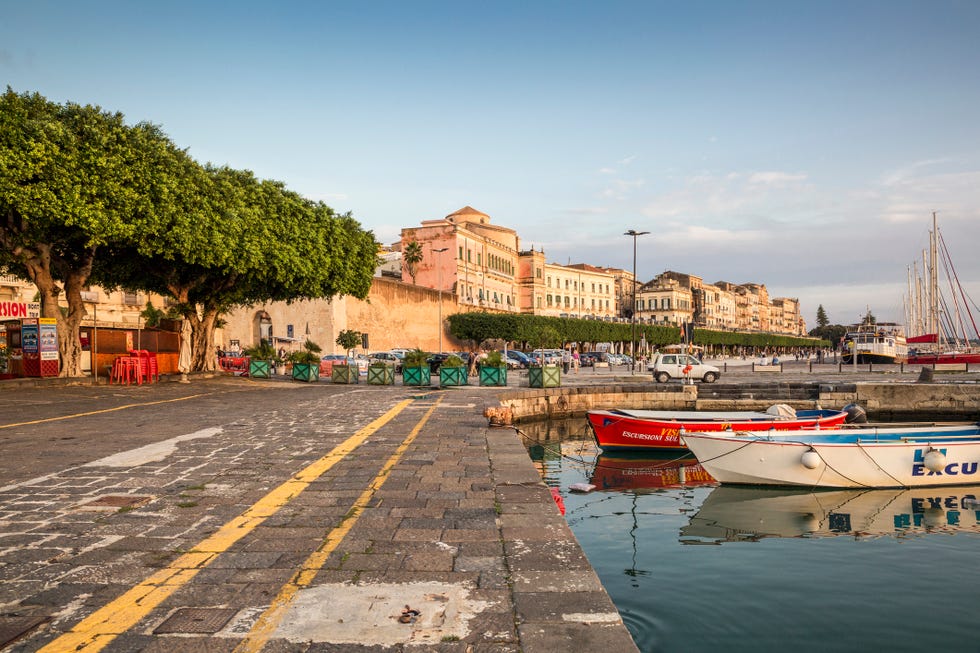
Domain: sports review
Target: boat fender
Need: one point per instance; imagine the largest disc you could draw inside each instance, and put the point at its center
(581, 487)
(934, 460)
(810, 459)
(855, 414)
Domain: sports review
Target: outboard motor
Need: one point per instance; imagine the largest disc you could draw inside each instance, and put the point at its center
(855, 414)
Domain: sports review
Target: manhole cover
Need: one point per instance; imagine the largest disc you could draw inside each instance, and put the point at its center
(116, 501)
(195, 620)
(13, 628)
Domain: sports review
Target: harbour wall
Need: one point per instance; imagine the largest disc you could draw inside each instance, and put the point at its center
(882, 401)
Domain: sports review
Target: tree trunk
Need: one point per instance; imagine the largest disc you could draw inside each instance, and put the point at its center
(69, 341)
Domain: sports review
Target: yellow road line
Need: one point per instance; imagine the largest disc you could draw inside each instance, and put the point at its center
(98, 629)
(272, 617)
(98, 412)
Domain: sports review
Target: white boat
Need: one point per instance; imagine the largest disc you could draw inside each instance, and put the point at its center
(875, 342)
(746, 514)
(872, 457)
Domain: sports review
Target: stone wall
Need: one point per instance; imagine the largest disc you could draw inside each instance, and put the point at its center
(882, 401)
(398, 314)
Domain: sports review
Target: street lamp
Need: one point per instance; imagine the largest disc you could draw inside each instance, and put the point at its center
(439, 283)
(634, 233)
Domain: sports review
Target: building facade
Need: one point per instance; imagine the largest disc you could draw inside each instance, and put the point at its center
(465, 255)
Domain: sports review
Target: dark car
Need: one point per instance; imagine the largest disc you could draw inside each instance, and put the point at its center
(517, 359)
(435, 360)
(590, 358)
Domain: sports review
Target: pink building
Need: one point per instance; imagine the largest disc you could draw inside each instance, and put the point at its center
(467, 256)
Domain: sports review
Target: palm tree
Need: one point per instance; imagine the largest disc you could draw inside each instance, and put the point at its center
(412, 256)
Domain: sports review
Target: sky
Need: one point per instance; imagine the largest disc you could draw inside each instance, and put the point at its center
(801, 145)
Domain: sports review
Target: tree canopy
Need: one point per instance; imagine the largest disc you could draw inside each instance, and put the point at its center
(84, 198)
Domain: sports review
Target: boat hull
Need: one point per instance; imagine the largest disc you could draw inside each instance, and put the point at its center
(844, 459)
(944, 359)
(619, 431)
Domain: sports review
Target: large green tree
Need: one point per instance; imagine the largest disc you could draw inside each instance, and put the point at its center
(236, 241)
(72, 180)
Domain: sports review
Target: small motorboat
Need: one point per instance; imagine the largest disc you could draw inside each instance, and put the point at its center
(869, 457)
(653, 429)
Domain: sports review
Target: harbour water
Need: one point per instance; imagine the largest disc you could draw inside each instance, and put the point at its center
(694, 567)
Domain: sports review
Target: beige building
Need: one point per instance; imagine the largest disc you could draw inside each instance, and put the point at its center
(576, 291)
(676, 298)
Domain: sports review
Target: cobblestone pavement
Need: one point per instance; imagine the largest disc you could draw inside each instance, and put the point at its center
(240, 515)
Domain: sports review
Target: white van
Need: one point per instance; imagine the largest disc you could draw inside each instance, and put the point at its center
(681, 366)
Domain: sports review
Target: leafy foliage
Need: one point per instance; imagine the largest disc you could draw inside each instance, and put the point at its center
(453, 361)
(349, 339)
(308, 355)
(415, 358)
(412, 256)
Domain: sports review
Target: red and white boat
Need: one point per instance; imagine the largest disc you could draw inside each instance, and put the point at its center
(651, 429)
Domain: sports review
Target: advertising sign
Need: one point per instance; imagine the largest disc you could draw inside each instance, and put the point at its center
(20, 309)
(48, 333)
(29, 336)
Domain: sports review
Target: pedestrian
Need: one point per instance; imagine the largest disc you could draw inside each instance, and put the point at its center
(566, 359)
(576, 360)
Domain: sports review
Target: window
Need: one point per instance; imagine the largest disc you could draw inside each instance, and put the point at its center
(460, 252)
(131, 298)
(549, 301)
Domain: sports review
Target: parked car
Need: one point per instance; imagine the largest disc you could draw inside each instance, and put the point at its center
(550, 356)
(389, 357)
(328, 361)
(590, 358)
(517, 359)
(435, 360)
(680, 366)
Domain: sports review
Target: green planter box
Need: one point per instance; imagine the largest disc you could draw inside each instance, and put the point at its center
(415, 375)
(452, 376)
(493, 376)
(306, 372)
(548, 376)
(259, 369)
(343, 374)
(381, 375)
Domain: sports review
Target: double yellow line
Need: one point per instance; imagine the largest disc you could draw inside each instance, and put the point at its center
(99, 629)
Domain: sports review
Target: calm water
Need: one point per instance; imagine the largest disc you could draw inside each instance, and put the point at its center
(697, 567)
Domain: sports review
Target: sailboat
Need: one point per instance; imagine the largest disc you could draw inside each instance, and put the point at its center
(937, 322)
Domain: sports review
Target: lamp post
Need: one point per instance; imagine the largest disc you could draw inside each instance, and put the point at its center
(634, 233)
(439, 283)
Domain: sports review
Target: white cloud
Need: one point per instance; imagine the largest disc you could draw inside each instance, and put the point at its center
(774, 177)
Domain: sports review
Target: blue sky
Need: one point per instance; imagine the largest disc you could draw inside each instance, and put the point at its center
(802, 145)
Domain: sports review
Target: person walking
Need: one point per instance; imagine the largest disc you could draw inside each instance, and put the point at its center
(566, 359)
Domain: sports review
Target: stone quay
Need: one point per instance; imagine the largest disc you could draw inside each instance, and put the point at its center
(232, 514)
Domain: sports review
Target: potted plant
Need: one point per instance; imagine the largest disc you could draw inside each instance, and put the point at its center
(452, 371)
(380, 373)
(415, 368)
(306, 362)
(345, 372)
(542, 375)
(493, 370)
(262, 360)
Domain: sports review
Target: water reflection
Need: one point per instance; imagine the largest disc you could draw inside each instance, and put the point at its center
(646, 472)
(738, 514)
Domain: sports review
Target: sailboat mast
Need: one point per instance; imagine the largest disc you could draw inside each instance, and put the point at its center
(933, 282)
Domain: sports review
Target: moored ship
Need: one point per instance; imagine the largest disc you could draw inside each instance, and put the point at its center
(881, 342)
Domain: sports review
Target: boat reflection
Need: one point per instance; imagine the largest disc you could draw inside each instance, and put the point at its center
(739, 514)
(646, 471)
